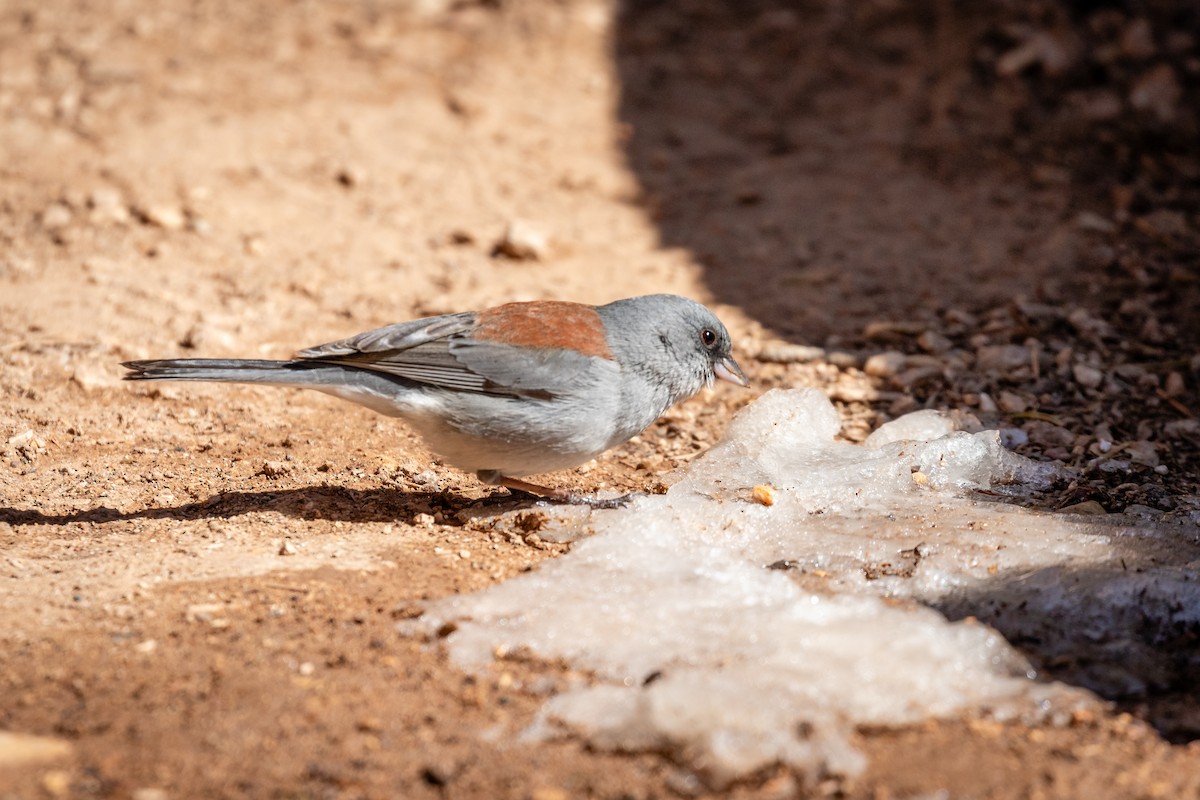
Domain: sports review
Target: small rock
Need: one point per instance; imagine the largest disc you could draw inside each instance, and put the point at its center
(1163, 223)
(841, 359)
(1054, 53)
(764, 495)
(1157, 92)
(1012, 438)
(56, 782)
(1087, 376)
(254, 245)
(1012, 402)
(934, 342)
(789, 353)
(1050, 175)
(911, 377)
(1047, 434)
(1091, 221)
(1137, 40)
(1100, 105)
(56, 216)
(1174, 385)
(27, 444)
(147, 647)
(1178, 428)
(1146, 512)
(1089, 507)
(350, 176)
(1143, 452)
(885, 365)
(22, 748)
(90, 377)
(891, 329)
(1002, 357)
(1083, 322)
(523, 241)
(286, 548)
(423, 520)
(274, 469)
(107, 206)
(170, 218)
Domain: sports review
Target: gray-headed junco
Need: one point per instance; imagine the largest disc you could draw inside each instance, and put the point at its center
(516, 390)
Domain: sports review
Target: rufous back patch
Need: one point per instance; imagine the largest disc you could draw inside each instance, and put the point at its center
(545, 323)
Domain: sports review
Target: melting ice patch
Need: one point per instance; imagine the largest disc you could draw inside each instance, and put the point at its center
(737, 635)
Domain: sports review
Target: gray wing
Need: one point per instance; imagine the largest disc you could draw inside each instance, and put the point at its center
(438, 351)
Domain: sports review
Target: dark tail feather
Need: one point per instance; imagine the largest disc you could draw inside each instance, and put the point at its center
(229, 370)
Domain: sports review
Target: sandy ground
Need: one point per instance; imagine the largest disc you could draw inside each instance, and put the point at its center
(199, 586)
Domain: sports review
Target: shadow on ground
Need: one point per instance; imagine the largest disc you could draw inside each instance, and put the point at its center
(828, 165)
(796, 151)
(1131, 634)
(318, 502)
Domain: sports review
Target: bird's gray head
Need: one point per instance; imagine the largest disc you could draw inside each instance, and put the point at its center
(675, 343)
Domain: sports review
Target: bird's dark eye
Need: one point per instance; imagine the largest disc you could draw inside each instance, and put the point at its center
(708, 338)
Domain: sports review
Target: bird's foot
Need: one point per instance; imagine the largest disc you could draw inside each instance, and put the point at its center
(546, 494)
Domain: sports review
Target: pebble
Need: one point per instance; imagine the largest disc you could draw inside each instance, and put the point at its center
(56, 216)
(890, 329)
(885, 365)
(1012, 438)
(169, 218)
(274, 469)
(1101, 105)
(1158, 92)
(1143, 452)
(1047, 434)
(1174, 386)
(934, 342)
(1087, 376)
(56, 782)
(1012, 402)
(107, 206)
(286, 548)
(23, 748)
(90, 376)
(350, 176)
(1053, 53)
(911, 377)
(1178, 428)
(1001, 357)
(842, 360)
(523, 241)
(789, 353)
(764, 495)
(1091, 221)
(1137, 40)
(1089, 507)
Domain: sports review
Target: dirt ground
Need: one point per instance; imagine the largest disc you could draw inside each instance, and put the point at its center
(993, 210)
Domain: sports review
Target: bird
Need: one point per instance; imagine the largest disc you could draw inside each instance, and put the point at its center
(519, 389)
